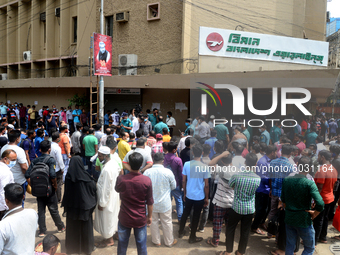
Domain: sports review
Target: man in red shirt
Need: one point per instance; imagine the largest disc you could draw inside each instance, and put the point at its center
(22, 115)
(325, 179)
(304, 125)
(135, 191)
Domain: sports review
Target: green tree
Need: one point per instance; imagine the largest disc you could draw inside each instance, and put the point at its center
(82, 101)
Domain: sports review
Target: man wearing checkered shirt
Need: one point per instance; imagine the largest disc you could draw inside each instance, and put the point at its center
(245, 185)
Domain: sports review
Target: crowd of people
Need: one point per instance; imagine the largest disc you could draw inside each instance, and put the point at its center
(280, 182)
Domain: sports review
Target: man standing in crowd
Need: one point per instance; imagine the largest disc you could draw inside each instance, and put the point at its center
(50, 201)
(90, 145)
(28, 145)
(125, 124)
(147, 159)
(106, 213)
(37, 141)
(135, 192)
(311, 136)
(171, 122)
(65, 146)
(244, 184)
(262, 199)
(298, 222)
(158, 146)
(8, 159)
(265, 136)
(145, 124)
(163, 182)
(174, 163)
(69, 118)
(275, 132)
(203, 129)
(325, 179)
(160, 125)
(75, 140)
(222, 133)
(76, 115)
(123, 146)
(211, 141)
(115, 117)
(18, 226)
(196, 192)
(20, 167)
(22, 114)
(153, 118)
(3, 110)
(59, 168)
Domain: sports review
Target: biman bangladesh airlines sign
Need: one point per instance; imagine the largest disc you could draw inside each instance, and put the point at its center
(240, 44)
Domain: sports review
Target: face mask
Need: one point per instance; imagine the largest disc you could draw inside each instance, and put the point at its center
(260, 130)
(145, 120)
(116, 112)
(187, 124)
(12, 163)
(167, 116)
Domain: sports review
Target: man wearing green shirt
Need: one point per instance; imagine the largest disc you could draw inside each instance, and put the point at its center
(153, 117)
(265, 136)
(160, 125)
(311, 136)
(275, 132)
(299, 216)
(246, 133)
(222, 133)
(126, 124)
(90, 145)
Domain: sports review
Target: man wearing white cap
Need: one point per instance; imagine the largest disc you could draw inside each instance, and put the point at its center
(211, 122)
(106, 219)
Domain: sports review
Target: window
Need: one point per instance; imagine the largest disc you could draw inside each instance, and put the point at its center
(153, 11)
(75, 21)
(109, 25)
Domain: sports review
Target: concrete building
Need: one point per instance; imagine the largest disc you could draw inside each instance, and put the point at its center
(332, 26)
(164, 35)
(334, 51)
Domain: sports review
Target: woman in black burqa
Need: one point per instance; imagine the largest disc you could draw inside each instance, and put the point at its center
(79, 202)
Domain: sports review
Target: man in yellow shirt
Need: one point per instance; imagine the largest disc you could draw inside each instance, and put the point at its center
(166, 136)
(31, 112)
(123, 146)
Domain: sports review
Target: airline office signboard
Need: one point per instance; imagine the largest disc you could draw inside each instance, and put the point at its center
(240, 44)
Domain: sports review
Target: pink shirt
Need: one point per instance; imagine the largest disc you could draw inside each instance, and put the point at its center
(63, 116)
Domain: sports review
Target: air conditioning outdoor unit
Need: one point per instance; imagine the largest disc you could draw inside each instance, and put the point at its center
(3, 76)
(27, 55)
(127, 64)
(122, 16)
(57, 12)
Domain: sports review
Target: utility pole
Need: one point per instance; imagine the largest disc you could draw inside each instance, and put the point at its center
(101, 81)
(335, 93)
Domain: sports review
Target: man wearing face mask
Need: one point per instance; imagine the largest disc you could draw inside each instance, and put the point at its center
(145, 124)
(3, 110)
(265, 136)
(20, 167)
(8, 160)
(171, 122)
(106, 213)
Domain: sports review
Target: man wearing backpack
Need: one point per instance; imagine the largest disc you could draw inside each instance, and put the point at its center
(28, 145)
(42, 177)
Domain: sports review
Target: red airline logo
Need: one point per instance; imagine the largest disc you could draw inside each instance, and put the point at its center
(215, 41)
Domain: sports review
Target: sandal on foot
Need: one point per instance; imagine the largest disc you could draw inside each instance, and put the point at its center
(209, 241)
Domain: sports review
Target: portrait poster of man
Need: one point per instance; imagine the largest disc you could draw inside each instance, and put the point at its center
(102, 49)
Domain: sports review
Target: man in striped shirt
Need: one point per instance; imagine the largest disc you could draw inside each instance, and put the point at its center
(245, 185)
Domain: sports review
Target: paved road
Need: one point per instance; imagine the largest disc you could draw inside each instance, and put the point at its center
(257, 245)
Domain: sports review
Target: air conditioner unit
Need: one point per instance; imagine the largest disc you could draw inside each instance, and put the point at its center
(122, 16)
(127, 64)
(43, 16)
(57, 12)
(3, 76)
(27, 55)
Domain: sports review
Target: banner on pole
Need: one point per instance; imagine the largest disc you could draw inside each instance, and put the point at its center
(102, 54)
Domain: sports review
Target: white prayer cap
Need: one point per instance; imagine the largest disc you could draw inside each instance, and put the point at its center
(104, 150)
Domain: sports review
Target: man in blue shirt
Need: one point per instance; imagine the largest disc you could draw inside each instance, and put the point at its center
(196, 192)
(211, 141)
(265, 136)
(160, 125)
(311, 136)
(126, 124)
(107, 119)
(153, 117)
(3, 110)
(275, 132)
(76, 116)
(262, 199)
(38, 139)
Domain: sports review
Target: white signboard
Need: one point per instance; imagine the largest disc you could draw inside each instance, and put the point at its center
(240, 44)
(122, 91)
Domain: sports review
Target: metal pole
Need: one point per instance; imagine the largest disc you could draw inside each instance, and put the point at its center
(101, 82)
(335, 91)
